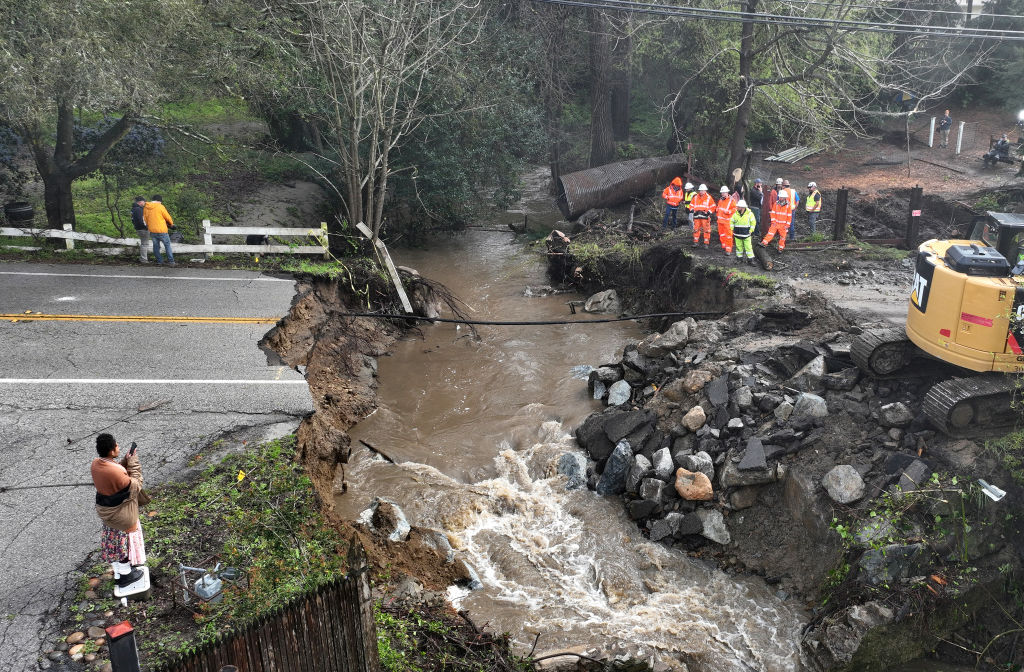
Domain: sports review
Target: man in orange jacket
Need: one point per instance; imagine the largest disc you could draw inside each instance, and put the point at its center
(157, 221)
(782, 215)
(702, 206)
(673, 195)
(723, 211)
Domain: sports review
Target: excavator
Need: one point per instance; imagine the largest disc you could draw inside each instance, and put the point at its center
(966, 309)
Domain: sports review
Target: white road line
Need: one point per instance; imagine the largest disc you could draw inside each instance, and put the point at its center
(147, 277)
(143, 381)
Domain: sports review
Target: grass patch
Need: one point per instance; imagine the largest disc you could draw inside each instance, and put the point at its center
(254, 511)
(735, 278)
(1009, 450)
(871, 252)
(207, 111)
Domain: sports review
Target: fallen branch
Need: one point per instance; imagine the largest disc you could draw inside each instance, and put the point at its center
(941, 165)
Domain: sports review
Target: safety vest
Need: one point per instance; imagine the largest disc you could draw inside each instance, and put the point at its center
(689, 197)
(702, 204)
(814, 201)
(743, 223)
(673, 195)
(794, 198)
(725, 208)
(781, 214)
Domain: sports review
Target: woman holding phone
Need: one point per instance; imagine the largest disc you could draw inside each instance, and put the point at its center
(118, 493)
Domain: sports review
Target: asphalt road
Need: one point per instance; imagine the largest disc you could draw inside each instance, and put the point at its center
(62, 380)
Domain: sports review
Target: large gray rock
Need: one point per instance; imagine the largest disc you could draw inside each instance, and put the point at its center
(598, 390)
(639, 509)
(753, 456)
(652, 490)
(783, 411)
(592, 437)
(743, 398)
(618, 424)
(891, 563)
(640, 470)
(664, 468)
(613, 478)
(895, 415)
(659, 345)
(604, 302)
(694, 418)
(731, 476)
(843, 484)
(809, 377)
(718, 391)
(619, 393)
(714, 527)
(842, 381)
(700, 461)
(669, 526)
(811, 406)
(574, 467)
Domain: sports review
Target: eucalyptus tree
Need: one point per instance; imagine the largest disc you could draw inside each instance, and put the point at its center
(82, 57)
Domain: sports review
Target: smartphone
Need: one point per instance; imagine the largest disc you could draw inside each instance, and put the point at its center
(133, 449)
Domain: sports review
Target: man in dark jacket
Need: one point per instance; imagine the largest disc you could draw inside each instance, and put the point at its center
(140, 228)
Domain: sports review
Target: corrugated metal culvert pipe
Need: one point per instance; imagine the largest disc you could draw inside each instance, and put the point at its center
(614, 183)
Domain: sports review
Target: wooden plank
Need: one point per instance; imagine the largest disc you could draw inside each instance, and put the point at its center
(264, 231)
(383, 250)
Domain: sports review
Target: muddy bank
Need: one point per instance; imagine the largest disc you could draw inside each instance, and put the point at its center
(756, 442)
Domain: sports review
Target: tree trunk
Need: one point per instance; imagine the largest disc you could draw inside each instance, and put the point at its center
(602, 143)
(621, 82)
(745, 96)
(60, 209)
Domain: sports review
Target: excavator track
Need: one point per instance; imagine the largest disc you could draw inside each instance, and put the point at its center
(881, 352)
(970, 407)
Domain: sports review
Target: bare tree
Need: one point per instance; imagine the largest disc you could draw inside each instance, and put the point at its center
(825, 78)
(368, 66)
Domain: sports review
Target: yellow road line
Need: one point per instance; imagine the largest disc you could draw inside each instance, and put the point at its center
(42, 317)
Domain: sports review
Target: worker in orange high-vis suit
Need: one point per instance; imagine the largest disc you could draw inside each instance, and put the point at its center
(673, 195)
(702, 206)
(723, 211)
(782, 215)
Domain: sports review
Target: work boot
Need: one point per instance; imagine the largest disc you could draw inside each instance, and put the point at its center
(750, 262)
(707, 246)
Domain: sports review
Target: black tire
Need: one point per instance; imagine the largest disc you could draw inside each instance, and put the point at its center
(19, 211)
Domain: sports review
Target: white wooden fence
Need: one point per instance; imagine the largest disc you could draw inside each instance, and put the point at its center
(208, 247)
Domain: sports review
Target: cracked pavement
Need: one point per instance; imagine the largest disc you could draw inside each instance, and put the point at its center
(62, 382)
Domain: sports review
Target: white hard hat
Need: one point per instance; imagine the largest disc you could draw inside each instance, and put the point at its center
(783, 197)
(702, 187)
(778, 180)
(811, 185)
(688, 185)
(741, 204)
(724, 189)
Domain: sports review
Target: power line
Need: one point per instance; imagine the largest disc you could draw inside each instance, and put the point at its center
(906, 10)
(790, 20)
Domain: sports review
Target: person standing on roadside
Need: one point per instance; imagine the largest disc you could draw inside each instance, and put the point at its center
(794, 204)
(689, 194)
(703, 205)
(158, 221)
(118, 494)
(743, 223)
(766, 206)
(813, 206)
(139, 222)
(782, 217)
(944, 125)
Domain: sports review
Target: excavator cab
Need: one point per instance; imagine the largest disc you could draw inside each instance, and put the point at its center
(966, 308)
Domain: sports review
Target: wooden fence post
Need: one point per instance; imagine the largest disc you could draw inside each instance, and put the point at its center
(324, 241)
(207, 237)
(839, 224)
(69, 243)
(913, 218)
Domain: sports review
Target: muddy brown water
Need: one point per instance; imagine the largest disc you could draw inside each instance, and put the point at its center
(476, 430)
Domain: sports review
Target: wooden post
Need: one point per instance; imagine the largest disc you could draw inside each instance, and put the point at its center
(207, 237)
(383, 251)
(324, 240)
(839, 225)
(914, 217)
(69, 243)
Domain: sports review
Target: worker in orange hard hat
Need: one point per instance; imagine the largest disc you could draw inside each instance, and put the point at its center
(723, 212)
(673, 195)
(702, 206)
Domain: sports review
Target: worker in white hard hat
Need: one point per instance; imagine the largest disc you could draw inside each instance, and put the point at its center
(782, 215)
(743, 224)
(813, 206)
(702, 205)
(688, 190)
(723, 212)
